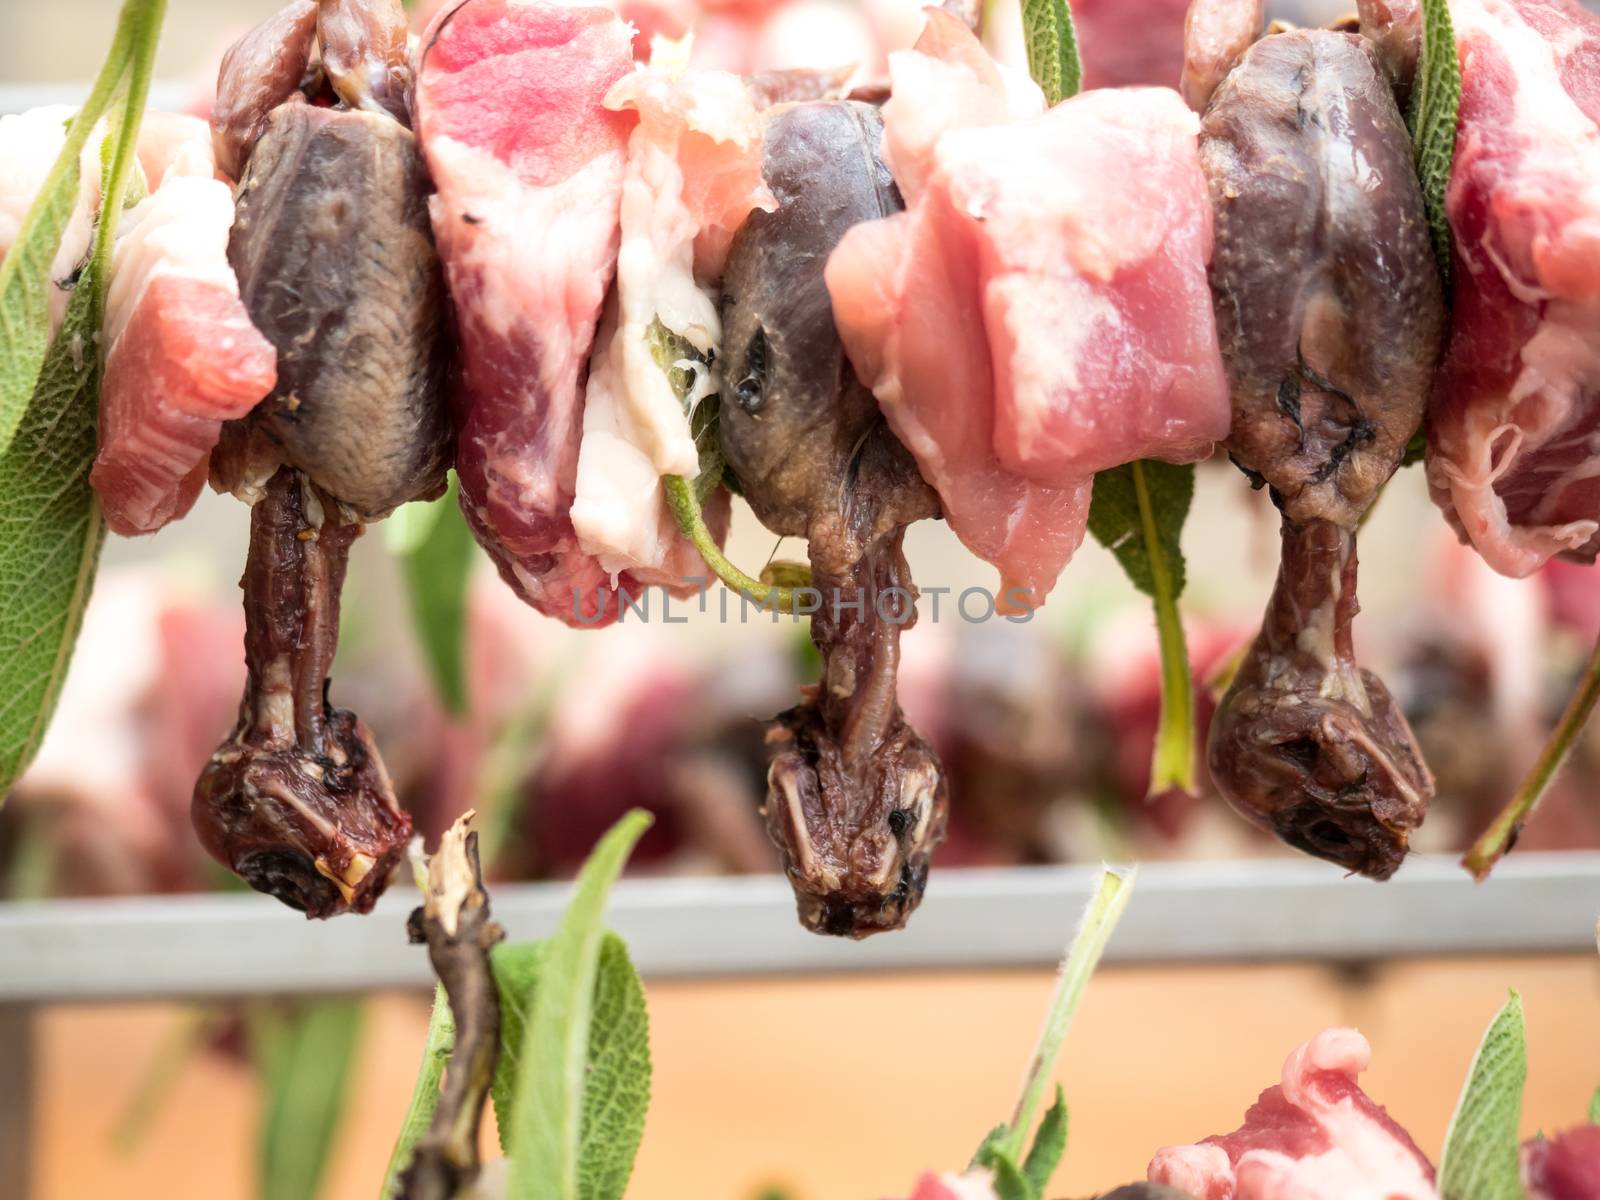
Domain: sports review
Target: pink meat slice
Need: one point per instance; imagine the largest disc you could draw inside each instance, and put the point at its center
(1040, 312)
(528, 163)
(1565, 1168)
(1514, 426)
(183, 355)
(1314, 1136)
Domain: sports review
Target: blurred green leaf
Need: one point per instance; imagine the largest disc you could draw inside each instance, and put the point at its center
(1049, 1144)
(546, 1139)
(303, 1057)
(1480, 1147)
(50, 525)
(437, 570)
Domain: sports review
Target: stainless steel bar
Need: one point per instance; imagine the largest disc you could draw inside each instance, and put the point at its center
(218, 946)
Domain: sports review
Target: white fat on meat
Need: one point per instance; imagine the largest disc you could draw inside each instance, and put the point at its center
(1514, 427)
(1314, 1136)
(693, 175)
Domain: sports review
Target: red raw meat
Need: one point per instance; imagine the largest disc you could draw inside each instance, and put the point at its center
(1567, 1168)
(184, 356)
(1514, 439)
(1314, 1136)
(1040, 312)
(529, 165)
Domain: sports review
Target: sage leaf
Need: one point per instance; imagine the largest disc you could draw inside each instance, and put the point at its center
(50, 533)
(1435, 105)
(304, 1059)
(1049, 1144)
(1053, 58)
(686, 368)
(1009, 1181)
(50, 524)
(616, 1094)
(1480, 1146)
(25, 282)
(546, 1141)
(1138, 513)
(436, 1051)
(437, 571)
(1594, 1108)
(516, 976)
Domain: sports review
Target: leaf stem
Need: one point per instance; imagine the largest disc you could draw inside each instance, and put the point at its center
(1500, 835)
(686, 510)
(1173, 762)
(1100, 918)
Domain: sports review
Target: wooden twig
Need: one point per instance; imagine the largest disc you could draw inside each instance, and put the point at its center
(454, 923)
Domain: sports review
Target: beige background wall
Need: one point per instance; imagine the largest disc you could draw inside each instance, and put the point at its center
(842, 1089)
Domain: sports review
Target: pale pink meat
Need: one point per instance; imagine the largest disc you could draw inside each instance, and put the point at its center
(1314, 1136)
(1514, 427)
(1040, 311)
(529, 163)
(1216, 33)
(183, 355)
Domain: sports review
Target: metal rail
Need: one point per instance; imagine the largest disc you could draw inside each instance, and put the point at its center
(217, 946)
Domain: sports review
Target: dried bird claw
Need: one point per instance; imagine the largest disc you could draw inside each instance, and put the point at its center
(296, 801)
(1331, 318)
(1306, 744)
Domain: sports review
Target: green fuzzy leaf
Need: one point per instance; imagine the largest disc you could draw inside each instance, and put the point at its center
(436, 1051)
(546, 1138)
(1049, 1144)
(1435, 105)
(50, 534)
(1138, 513)
(1053, 58)
(304, 1060)
(993, 1138)
(617, 1091)
(1594, 1108)
(516, 976)
(1480, 1147)
(683, 366)
(1009, 1181)
(437, 570)
(50, 525)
